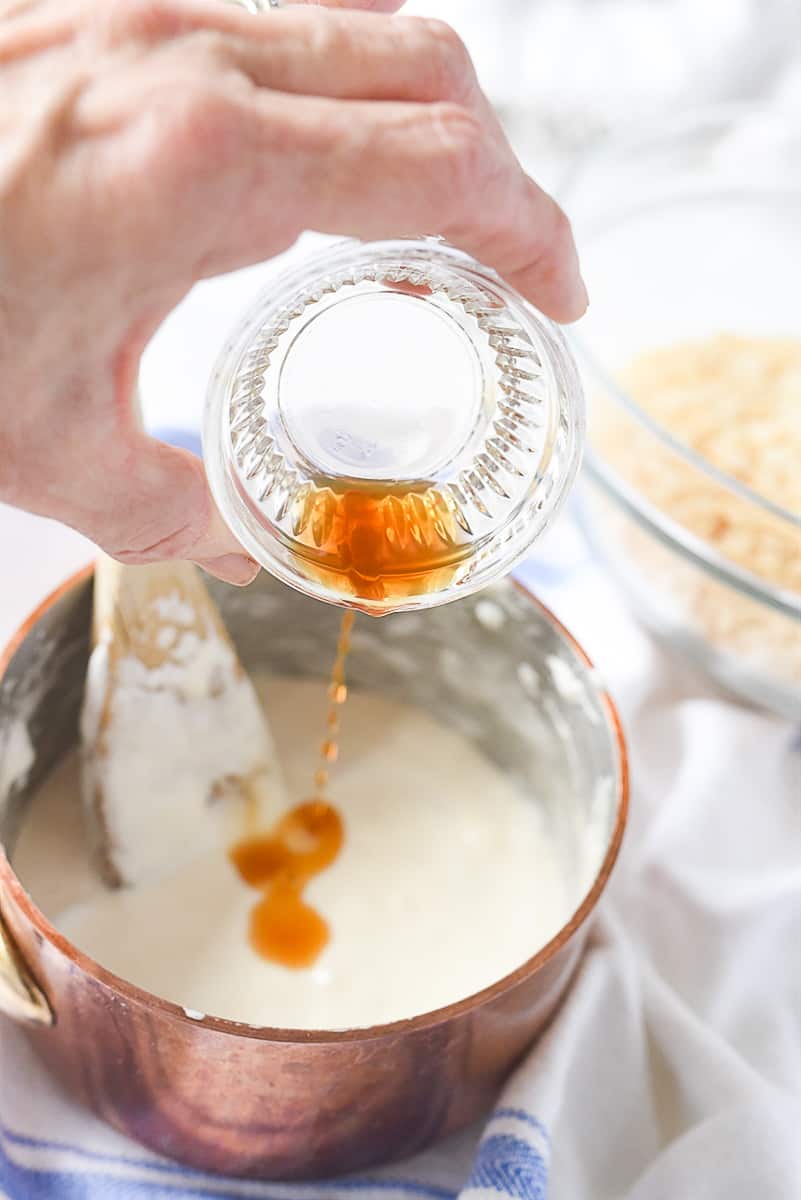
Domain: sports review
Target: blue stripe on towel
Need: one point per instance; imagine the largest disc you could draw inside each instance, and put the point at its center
(33, 1183)
(510, 1166)
(508, 1162)
(520, 1114)
(166, 1167)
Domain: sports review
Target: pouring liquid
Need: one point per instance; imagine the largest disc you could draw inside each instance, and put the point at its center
(307, 839)
(378, 543)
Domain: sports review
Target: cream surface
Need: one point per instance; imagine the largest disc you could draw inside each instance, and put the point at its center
(447, 881)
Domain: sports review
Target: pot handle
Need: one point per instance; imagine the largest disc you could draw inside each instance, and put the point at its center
(21, 998)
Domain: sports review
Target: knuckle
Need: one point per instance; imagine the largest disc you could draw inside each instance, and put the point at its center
(137, 550)
(448, 58)
(167, 525)
(211, 48)
(326, 35)
(204, 125)
(126, 20)
(461, 144)
(445, 39)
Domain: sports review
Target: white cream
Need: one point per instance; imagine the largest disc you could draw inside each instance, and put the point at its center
(447, 881)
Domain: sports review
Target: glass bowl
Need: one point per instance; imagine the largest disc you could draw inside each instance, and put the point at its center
(687, 231)
(390, 426)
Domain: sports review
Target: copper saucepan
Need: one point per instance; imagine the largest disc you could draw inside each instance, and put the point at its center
(281, 1104)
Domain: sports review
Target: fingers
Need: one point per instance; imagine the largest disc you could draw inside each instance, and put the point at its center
(431, 158)
(350, 55)
(361, 125)
(157, 506)
(397, 169)
(384, 170)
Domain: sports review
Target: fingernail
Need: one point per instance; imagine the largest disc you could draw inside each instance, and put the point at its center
(231, 568)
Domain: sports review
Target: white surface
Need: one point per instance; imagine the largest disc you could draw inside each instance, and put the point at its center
(565, 72)
(446, 882)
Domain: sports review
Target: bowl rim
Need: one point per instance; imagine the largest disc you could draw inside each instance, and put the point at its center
(675, 444)
(680, 448)
(684, 123)
(689, 545)
(423, 1021)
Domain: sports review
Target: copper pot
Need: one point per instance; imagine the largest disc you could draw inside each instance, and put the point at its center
(276, 1103)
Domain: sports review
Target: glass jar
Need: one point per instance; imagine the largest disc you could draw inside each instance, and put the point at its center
(391, 426)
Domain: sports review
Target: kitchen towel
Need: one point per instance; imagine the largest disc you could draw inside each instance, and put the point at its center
(673, 1071)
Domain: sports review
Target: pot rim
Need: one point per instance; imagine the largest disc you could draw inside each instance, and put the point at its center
(136, 995)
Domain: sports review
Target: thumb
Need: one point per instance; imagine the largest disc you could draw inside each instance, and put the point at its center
(157, 505)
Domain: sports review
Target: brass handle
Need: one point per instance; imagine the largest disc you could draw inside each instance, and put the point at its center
(21, 998)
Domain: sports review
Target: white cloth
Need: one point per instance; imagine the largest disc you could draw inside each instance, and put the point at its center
(673, 1071)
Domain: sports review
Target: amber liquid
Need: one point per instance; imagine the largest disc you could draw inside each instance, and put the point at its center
(379, 543)
(372, 543)
(307, 839)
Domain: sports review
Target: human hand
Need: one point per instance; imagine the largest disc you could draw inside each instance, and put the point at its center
(145, 144)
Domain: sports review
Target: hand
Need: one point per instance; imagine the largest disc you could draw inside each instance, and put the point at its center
(145, 144)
